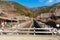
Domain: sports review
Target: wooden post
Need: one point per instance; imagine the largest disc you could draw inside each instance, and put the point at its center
(11, 22)
(4, 23)
(52, 31)
(34, 30)
(17, 26)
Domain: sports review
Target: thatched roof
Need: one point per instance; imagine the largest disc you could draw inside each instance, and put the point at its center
(45, 15)
(14, 18)
(6, 18)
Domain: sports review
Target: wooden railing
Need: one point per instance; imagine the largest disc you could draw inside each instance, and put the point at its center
(28, 30)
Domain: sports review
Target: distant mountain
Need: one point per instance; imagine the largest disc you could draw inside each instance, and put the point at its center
(39, 9)
(46, 9)
(13, 8)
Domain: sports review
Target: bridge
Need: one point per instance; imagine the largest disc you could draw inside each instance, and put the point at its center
(29, 27)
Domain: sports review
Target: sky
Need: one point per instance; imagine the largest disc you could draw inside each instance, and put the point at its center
(35, 3)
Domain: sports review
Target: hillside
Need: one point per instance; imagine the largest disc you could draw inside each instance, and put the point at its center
(46, 9)
(15, 8)
(18, 9)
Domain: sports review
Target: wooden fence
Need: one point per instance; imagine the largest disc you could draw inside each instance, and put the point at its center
(28, 30)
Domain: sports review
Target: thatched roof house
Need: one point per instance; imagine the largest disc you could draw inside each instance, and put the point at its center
(15, 18)
(45, 15)
(57, 12)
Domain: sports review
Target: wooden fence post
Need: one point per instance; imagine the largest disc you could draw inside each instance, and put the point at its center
(34, 30)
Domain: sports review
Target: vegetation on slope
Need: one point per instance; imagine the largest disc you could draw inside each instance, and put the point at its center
(34, 12)
(46, 9)
(20, 9)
